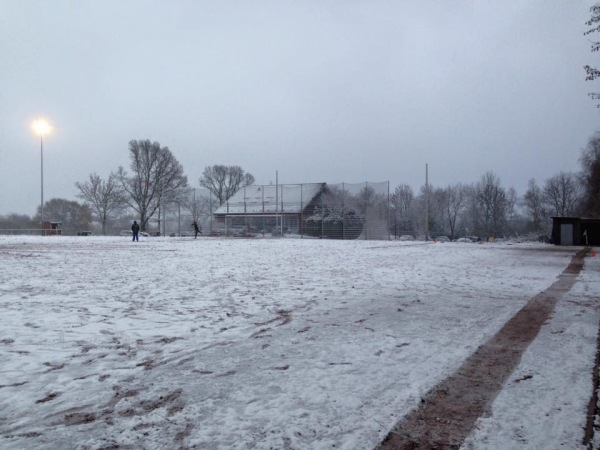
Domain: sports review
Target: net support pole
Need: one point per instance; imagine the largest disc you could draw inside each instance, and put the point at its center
(388, 213)
(426, 202)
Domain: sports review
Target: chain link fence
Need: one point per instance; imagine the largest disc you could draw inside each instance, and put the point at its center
(318, 210)
(355, 211)
(175, 218)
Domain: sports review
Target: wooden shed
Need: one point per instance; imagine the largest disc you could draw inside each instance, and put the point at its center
(51, 228)
(262, 207)
(575, 231)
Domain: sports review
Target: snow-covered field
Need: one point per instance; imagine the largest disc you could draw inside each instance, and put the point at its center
(284, 344)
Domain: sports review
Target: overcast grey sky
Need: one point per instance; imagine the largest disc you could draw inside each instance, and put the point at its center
(319, 90)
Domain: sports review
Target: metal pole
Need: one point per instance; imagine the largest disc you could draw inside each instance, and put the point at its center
(42, 177)
(343, 210)
(388, 213)
(322, 217)
(282, 216)
(301, 224)
(426, 202)
(366, 212)
(210, 206)
(276, 197)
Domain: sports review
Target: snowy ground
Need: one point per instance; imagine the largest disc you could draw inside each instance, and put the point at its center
(283, 344)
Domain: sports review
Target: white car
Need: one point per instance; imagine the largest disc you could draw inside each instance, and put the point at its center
(130, 233)
(464, 239)
(406, 237)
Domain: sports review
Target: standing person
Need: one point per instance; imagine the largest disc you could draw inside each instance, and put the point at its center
(196, 229)
(135, 229)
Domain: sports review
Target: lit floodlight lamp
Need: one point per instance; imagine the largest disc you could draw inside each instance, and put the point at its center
(41, 127)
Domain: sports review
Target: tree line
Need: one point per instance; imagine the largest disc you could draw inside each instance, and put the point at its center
(154, 181)
(484, 208)
(488, 209)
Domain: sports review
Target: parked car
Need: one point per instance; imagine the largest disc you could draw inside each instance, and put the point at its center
(406, 237)
(464, 239)
(442, 239)
(130, 233)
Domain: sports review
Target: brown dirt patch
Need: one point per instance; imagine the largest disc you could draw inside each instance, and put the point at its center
(49, 397)
(447, 413)
(79, 418)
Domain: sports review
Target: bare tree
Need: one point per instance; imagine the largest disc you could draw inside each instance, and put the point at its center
(200, 203)
(157, 175)
(367, 199)
(561, 194)
(533, 200)
(105, 198)
(402, 202)
(510, 214)
(171, 199)
(454, 201)
(590, 176)
(224, 181)
(73, 216)
(591, 72)
(17, 221)
(402, 199)
(432, 198)
(490, 205)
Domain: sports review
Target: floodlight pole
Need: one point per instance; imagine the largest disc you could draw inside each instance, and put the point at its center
(41, 126)
(426, 202)
(42, 178)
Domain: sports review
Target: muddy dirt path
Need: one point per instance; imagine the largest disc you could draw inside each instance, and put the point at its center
(447, 414)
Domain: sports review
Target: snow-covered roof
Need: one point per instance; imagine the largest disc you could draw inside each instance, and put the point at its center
(262, 199)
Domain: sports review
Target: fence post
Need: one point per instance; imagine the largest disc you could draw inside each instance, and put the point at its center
(388, 213)
(276, 197)
(322, 216)
(262, 219)
(343, 211)
(301, 224)
(366, 212)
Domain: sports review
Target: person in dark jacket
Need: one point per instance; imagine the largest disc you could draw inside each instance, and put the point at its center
(196, 229)
(135, 229)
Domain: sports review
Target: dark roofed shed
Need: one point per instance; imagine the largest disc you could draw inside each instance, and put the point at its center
(575, 231)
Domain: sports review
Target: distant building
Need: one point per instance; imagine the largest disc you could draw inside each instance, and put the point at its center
(270, 208)
(51, 228)
(575, 231)
(334, 211)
